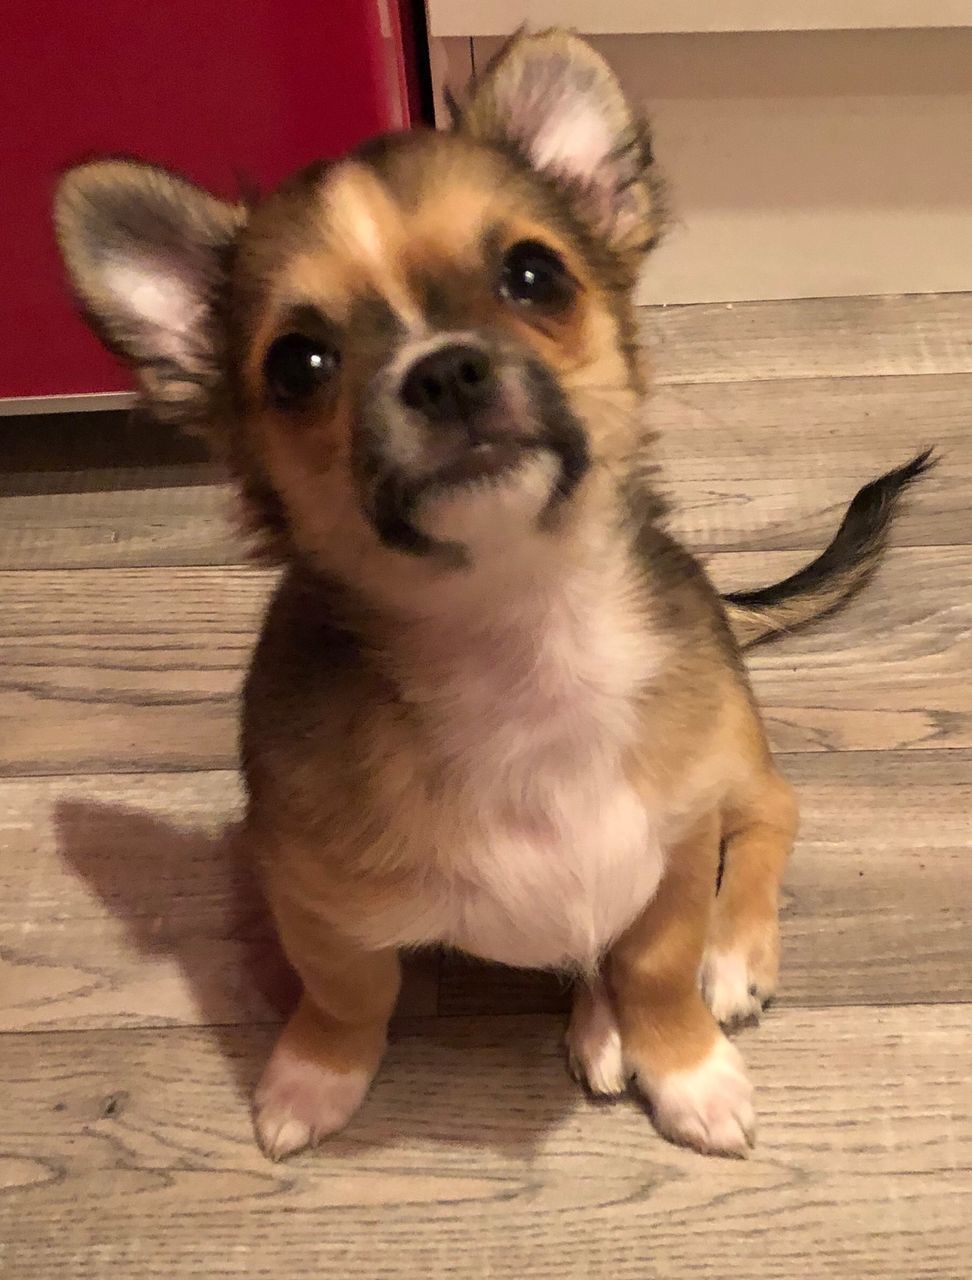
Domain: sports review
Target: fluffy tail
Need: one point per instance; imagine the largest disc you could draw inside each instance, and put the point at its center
(837, 573)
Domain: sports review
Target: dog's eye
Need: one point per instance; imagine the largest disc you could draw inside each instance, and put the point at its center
(297, 367)
(534, 276)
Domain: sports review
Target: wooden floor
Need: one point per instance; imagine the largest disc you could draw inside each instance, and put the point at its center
(140, 983)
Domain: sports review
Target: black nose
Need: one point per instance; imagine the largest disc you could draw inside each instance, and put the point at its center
(452, 384)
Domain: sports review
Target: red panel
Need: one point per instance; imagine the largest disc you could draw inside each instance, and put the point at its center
(216, 89)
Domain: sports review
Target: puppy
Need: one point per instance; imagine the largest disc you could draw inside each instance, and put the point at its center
(494, 705)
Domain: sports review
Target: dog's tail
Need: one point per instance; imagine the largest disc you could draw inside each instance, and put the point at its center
(837, 573)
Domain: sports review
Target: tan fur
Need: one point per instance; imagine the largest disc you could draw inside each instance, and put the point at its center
(750, 626)
(664, 1024)
(759, 827)
(464, 190)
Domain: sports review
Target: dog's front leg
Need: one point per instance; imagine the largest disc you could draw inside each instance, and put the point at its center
(328, 1053)
(693, 1078)
(742, 959)
(664, 1037)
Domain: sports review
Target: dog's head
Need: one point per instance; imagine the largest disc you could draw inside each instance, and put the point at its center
(418, 352)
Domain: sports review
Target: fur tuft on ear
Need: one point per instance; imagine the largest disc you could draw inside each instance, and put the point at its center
(557, 104)
(147, 254)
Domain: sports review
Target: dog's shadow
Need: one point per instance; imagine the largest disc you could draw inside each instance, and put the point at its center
(189, 901)
(192, 902)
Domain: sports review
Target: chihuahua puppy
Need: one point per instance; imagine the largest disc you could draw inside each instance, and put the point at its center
(494, 705)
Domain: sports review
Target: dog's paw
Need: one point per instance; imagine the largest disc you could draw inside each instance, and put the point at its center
(594, 1054)
(709, 1107)
(737, 983)
(299, 1102)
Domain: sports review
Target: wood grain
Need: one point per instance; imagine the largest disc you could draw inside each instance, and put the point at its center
(129, 1154)
(130, 670)
(854, 428)
(888, 672)
(124, 906)
(189, 525)
(131, 667)
(818, 337)
(128, 902)
(142, 525)
(118, 526)
(802, 513)
(792, 506)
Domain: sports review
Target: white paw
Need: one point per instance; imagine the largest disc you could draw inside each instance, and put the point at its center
(709, 1107)
(298, 1102)
(734, 988)
(594, 1044)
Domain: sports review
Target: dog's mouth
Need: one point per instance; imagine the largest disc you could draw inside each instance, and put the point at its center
(480, 461)
(397, 499)
(493, 453)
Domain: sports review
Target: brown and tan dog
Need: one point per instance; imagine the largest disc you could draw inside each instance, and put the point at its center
(494, 705)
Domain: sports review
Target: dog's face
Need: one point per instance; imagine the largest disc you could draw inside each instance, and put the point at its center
(419, 351)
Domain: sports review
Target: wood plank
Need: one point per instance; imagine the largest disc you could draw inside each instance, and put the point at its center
(804, 512)
(125, 1151)
(757, 465)
(130, 1154)
(118, 669)
(926, 333)
(890, 671)
(123, 906)
(124, 665)
(191, 524)
(115, 527)
(127, 903)
(854, 428)
(878, 886)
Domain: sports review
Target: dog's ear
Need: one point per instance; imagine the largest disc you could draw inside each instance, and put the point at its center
(557, 104)
(148, 257)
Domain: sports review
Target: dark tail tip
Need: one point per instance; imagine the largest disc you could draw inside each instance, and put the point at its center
(894, 482)
(869, 516)
(839, 571)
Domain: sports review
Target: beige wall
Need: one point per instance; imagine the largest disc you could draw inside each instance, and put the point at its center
(606, 17)
(801, 164)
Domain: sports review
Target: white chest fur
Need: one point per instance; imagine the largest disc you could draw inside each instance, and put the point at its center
(556, 890)
(545, 851)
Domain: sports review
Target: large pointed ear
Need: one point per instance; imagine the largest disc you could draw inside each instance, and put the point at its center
(558, 105)
(148, 256)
